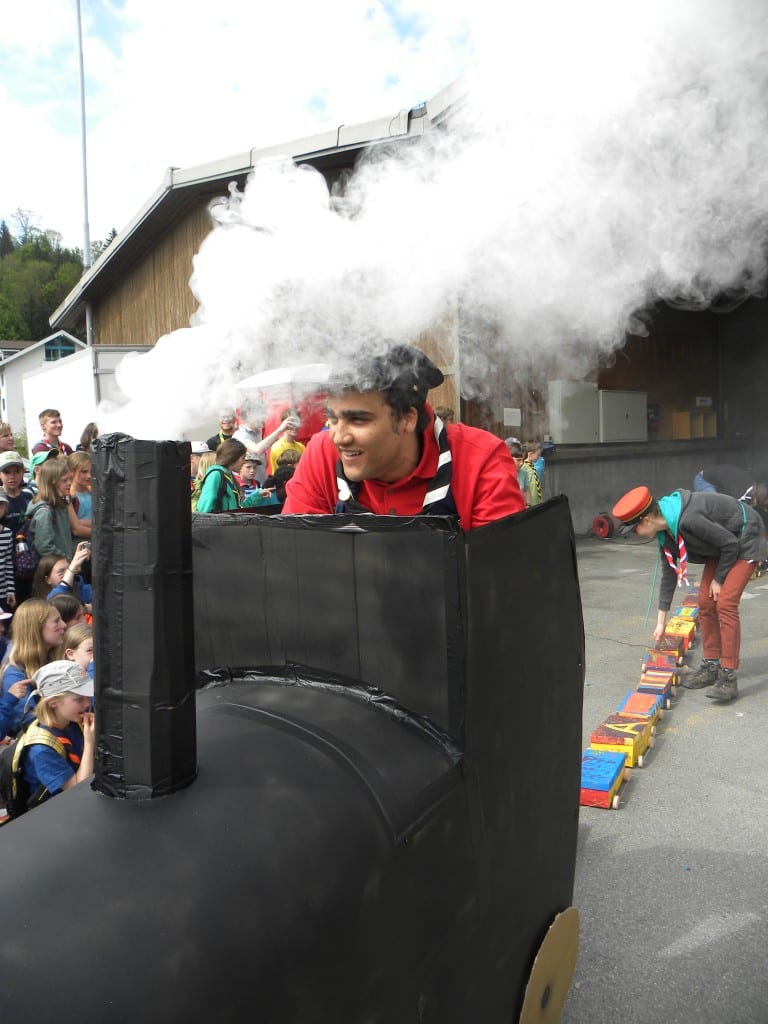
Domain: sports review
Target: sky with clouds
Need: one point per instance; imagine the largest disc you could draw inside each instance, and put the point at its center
(169, 83)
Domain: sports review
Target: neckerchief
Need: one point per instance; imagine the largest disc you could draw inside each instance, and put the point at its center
(671, 506)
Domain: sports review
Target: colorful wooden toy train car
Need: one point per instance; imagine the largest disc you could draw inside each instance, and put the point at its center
(641, 705)
(662, 661)
(685, 629)
(670, 644)
(602, 775)
(658, 682)
(686, 611)
(623, 735)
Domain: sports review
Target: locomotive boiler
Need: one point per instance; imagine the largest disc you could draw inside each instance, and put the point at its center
(337, 773)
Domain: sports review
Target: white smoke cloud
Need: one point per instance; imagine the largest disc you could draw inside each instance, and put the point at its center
(602, 158)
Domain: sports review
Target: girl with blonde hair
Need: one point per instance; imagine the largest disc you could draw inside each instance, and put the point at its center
(56, 752)
(80, 501)
(78, 646)
(38, 632)
(207, 459)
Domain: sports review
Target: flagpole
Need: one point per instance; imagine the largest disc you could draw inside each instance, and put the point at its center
(86, 228)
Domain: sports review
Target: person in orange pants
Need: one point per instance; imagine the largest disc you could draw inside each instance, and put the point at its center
(725, 534)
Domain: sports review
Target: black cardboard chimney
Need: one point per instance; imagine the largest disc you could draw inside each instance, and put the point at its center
(144, 646)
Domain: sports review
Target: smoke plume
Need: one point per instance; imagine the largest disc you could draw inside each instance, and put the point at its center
(598, 160)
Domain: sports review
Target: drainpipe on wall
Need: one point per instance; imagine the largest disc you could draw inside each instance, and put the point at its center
(88, 324)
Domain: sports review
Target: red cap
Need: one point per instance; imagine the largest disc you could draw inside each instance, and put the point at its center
(633, 506)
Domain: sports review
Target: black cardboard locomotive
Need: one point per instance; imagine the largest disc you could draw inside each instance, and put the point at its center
(368, 812)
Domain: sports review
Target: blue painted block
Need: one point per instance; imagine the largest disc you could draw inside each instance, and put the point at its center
(601, 768)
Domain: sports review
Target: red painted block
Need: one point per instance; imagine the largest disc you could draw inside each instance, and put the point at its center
(645, 705)
(659, 684)
(655, 659)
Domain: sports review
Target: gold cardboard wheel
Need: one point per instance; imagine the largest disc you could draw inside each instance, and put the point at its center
(552, 971)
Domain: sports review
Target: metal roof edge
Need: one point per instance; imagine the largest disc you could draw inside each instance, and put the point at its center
(398, 125)
(111, 252)
(447, 97)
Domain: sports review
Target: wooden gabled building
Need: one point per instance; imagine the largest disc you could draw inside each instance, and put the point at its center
(690, 393)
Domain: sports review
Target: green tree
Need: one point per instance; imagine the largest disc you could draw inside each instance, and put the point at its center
(35, 276)
(97, 248)
(13, 327)
(7, 243)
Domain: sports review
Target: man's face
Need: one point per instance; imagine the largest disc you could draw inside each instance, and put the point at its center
(52, 426)
(6, 442)
(227, 424)
(372, 443)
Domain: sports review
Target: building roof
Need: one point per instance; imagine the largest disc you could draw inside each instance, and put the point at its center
(183, 188)
(30, 346)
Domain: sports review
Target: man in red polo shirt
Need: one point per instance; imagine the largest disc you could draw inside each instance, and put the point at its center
(385, 452)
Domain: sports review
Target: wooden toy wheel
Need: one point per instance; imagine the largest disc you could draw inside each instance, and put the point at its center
(615, 802)
(640, 761)
(552, 971)
(627, 774)
(653, 730)
(651, 741)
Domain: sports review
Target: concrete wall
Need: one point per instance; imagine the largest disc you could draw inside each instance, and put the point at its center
(595, 479)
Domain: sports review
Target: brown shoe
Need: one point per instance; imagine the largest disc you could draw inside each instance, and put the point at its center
(726, 687)
(705, 675)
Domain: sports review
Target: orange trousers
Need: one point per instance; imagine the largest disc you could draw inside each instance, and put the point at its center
(719, 620)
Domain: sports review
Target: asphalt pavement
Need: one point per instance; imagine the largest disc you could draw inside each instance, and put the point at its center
(672, 888)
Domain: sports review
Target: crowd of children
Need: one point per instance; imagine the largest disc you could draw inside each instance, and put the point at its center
(46, 638)
(46, 667)
(529, 459)
(242, 470)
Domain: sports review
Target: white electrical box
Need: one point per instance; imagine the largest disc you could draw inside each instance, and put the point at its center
(623, 415)
(573, 412)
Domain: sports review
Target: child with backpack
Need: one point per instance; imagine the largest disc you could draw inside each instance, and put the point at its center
(220, 492)
(63, 714)
(49, 528)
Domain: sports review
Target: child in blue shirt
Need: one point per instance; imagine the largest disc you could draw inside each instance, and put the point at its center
(63, 709)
